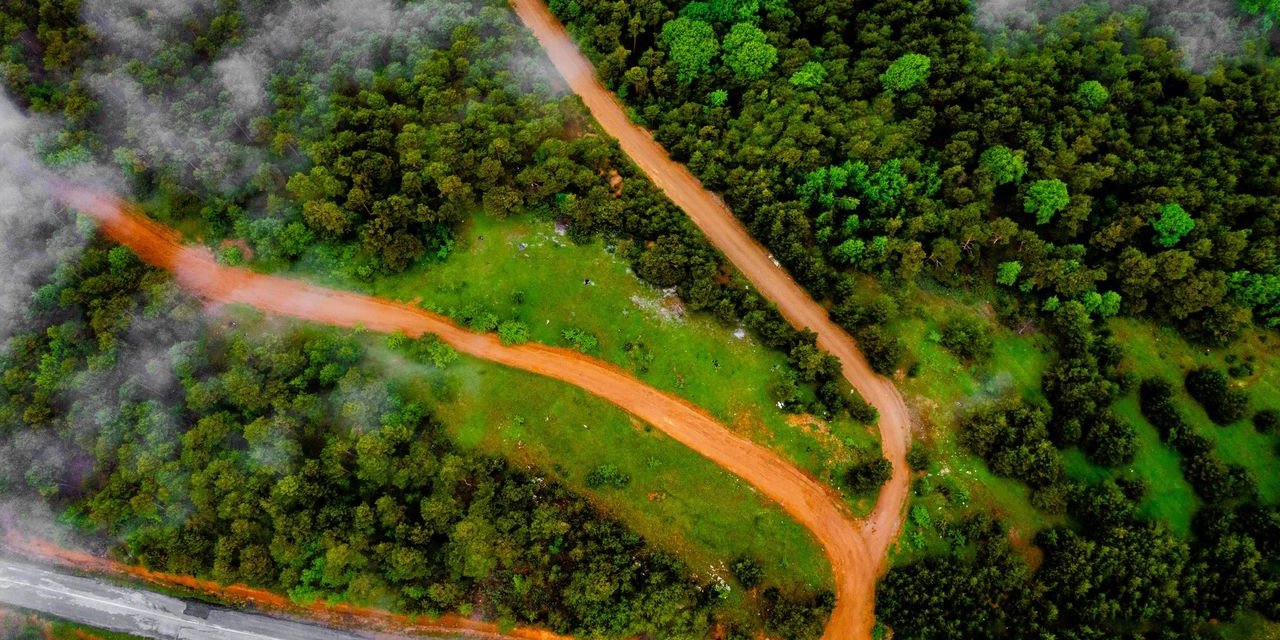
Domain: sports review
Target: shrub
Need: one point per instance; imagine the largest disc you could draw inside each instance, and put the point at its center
(1267, 421)
(868, 474)
(967, 338)
(513, 332)
(918, 457)
(1224, 403)
(580, 340)
(607, 475)
(747, 571)
(883, 350)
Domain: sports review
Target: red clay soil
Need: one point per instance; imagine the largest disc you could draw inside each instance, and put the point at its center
(338, 615)
(813, 504)
(854, 612)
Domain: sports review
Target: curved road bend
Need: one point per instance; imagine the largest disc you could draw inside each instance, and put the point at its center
(150, 615)
(814, 505)
(715, 220)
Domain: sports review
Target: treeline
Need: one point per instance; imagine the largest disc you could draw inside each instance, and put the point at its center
(1114, 576)
(285, 461)
(1084, 162)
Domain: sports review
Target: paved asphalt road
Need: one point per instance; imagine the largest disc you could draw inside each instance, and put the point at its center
(150, 615)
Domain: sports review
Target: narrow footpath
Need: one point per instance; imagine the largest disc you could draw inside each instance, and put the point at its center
(855, 606)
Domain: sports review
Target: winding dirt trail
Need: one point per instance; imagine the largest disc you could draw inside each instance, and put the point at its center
(813, 504)
(854, 612)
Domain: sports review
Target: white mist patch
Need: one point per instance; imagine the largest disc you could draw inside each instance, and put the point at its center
(35, 231)
(200, 127)
(1205, 31)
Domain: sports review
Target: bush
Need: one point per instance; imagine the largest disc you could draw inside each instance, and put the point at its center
(967, 338)
(1111, 441)
(607, 475)
(747, 571)
(513, 332)
(883, 351)
(580, 340)
(868, 474)
(918, 457)
(1267, 421)
(1224, 403)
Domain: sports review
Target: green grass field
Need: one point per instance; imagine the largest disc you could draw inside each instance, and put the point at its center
(1169, 496)
(943, 388)
(1161, 352)
(676, 499)
(1251, 626)
(519, 268)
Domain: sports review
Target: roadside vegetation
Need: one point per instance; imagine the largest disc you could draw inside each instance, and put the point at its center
(18, 625)
(585, 296)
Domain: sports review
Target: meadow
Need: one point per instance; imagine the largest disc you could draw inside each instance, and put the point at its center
(940, 388)
(521, 269)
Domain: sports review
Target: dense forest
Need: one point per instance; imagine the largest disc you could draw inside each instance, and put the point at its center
(1071, 173)
(1083, 161)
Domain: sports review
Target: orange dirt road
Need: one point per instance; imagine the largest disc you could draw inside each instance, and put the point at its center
(814, 505)
(854, 612)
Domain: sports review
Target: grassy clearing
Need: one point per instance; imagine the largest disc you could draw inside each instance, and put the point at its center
(940, 390)
(1169, 497)
(676, 499)
(1153, 351)
(1251, 626)
(520, 268)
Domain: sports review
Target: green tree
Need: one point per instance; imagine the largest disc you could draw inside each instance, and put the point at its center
(693, 46)
(1091, 94)
(809, 76)
(905, 73)
(1045, 198)
(1007, 272)
(1171, 224)
(747, 52)
(1005, 165)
